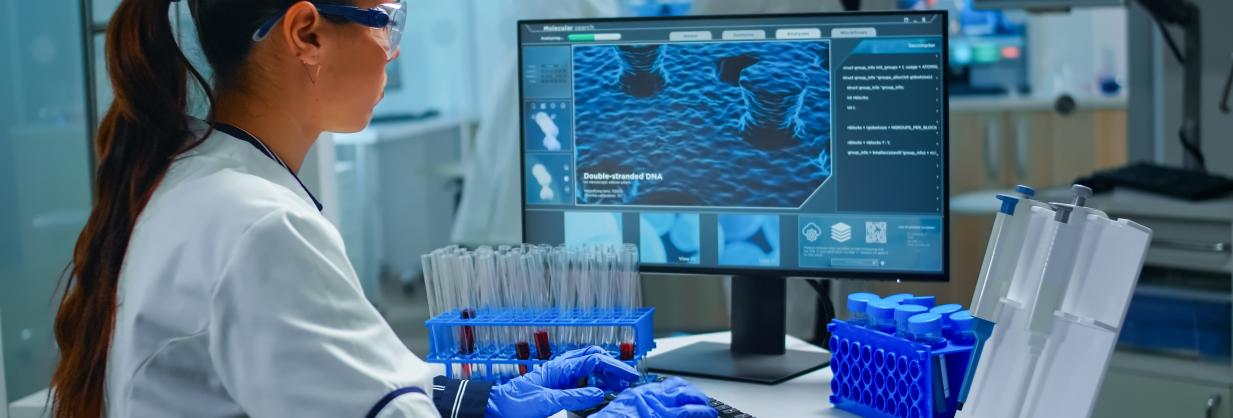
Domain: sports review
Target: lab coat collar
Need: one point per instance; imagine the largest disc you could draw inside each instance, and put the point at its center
(251, 158)
(243, 135)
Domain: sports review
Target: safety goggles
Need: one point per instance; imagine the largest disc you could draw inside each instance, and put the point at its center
(388, 18)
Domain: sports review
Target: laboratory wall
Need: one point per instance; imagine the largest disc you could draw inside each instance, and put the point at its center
(44, 177)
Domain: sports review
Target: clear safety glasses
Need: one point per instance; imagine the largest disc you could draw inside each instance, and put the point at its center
(387, 18)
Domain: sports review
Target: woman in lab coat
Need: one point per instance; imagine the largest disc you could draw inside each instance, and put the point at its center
(206, 283)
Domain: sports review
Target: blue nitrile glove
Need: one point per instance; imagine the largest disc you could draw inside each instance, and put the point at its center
(553, 386)
(672, 398)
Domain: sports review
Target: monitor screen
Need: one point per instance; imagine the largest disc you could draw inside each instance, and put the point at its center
(803, 145)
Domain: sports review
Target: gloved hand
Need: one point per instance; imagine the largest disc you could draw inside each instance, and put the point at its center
(553, 386)
(672, 398)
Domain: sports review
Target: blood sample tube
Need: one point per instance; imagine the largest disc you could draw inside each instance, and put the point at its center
(542, 349)
(468, 333)
(524, 353)
(627, 351)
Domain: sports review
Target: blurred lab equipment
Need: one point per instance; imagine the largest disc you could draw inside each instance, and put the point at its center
(1058, 323)
(490, 183)
(988, 48)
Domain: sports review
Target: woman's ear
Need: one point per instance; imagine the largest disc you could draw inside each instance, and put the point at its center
(301, 29)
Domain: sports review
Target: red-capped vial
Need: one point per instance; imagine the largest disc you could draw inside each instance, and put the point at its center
(468, 333)
(542, 349)
(523, 349)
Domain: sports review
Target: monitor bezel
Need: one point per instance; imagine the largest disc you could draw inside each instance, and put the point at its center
(942, 276)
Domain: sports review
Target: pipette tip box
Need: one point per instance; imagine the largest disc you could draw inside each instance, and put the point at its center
(484, 359)
(881, 375)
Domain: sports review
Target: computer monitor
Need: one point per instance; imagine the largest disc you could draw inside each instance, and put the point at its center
(759, 147)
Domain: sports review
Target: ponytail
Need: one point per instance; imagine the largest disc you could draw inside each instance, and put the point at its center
(143, 131)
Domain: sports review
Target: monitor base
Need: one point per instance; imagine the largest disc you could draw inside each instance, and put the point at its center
(757, 352)
(717, 361)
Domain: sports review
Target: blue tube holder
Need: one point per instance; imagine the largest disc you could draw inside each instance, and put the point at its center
(445, 329)
(883, 376)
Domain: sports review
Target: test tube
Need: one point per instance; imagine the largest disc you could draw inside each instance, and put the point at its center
(543, 349)
(927, 329)
(899, 297)
(559, 281)
(882, 315)
(630, 286)
(945, 311)
(584, 295)
(489, 300)
(858, 304)
(926, 301)
(612, 290)
(467, 341)
(523, 350)
(429, 290)
(902, 314)
(964, 326)
(627, 351)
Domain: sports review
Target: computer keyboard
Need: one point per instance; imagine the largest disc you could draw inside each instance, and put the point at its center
(1168, 181)
(725, 410)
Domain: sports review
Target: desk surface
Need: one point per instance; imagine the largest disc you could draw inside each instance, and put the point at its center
(805, 396)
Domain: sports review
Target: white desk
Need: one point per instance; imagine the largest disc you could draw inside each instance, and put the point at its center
(33, 406)
(805, 396)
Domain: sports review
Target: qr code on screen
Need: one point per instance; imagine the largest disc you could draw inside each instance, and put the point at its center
(875, 232)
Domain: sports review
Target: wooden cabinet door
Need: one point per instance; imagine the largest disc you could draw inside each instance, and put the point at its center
(1048, 149)
(977, 151)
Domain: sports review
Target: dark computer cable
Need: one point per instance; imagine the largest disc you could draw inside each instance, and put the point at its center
(1184, 14)
(1228, 85)
(825, 312)
(1177, 52)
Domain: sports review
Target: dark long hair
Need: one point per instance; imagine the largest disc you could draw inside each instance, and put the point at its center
(145, 128)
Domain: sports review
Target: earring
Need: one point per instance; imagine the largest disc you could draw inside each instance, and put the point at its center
(313, 76)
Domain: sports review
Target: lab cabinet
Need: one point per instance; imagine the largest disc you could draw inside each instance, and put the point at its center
(1035, 146)
(1128, 394)
(1173, 357)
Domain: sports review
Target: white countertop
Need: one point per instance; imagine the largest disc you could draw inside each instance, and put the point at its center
(805, 396)
(1030, 103)
(33, 406)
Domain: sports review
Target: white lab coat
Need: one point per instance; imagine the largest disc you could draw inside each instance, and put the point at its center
(237, 299)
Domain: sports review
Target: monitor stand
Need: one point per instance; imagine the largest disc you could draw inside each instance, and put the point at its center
(757, 353)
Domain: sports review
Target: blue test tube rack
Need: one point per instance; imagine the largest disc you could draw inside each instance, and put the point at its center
(881, 375)
(444, 344)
